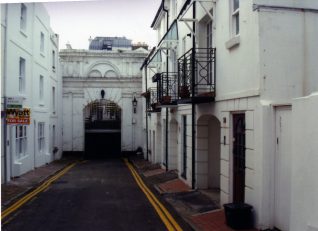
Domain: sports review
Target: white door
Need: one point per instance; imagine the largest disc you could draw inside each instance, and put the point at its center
(282, 168)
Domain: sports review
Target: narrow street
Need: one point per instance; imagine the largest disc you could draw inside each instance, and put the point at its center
(94, 195)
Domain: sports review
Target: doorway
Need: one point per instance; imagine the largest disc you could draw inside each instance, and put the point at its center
(184, 148)
(102, 129)
(238, 158)
(282, 167)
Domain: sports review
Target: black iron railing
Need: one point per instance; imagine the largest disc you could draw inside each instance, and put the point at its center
(168, 88)
(152, 100)
(196, 74)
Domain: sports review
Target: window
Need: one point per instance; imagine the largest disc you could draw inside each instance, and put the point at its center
(23, 17)
(41, 88)
(20, 141)
(235, 17)
(41, 137)
(53, 60)
(53, 100)
(22, 75)
(42, 42)
(209, 34)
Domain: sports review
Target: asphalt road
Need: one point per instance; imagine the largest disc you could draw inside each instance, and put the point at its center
(95, 195)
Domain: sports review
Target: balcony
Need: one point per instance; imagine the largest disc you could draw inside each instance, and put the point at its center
(196, 76)
(167, 84)
(152, 100)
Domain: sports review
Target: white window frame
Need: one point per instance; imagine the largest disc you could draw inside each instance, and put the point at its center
(41, 89)
(53, 100)
(22, 75)
(42, 42)
(23, 17)
(41, 137)
(235, 18)
(20, 141)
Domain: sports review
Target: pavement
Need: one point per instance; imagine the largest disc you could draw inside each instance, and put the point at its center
(200, 211)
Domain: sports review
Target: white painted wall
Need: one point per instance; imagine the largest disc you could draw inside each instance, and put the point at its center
(25, 43)
(304, 188)
(85, 74)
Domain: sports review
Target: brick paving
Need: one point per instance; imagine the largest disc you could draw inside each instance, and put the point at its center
(173, 186)
(171, 189)
(153, 172)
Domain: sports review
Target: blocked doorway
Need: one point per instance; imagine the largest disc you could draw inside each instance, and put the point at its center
(208, 159)
(102, 129)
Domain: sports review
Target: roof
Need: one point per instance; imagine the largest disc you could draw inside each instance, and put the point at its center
(107, 43)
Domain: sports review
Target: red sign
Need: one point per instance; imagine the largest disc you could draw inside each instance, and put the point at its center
(18, 116)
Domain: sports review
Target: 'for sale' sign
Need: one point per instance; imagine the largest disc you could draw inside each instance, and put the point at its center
(19, 116)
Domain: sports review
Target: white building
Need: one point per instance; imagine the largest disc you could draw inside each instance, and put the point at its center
(112, 67)
(30, 70)
(223, 82)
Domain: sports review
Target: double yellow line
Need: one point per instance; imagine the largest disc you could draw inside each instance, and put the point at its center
(163, 213)
(35, 192)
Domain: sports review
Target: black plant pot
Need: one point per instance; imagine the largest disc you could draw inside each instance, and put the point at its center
(238, 215)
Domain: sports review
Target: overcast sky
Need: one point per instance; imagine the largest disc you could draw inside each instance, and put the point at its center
(76, 21)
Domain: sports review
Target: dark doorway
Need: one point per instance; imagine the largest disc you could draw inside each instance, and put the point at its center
(238, 157)
(184, 147)
(102, 129)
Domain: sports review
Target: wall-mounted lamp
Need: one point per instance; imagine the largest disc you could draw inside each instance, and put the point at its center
(134, 103)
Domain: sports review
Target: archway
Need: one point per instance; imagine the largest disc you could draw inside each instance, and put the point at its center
(208, 155)
(102, 129)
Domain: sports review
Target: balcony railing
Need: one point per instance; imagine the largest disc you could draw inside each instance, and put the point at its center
(168, 88)
(196, 76)
(152, 100)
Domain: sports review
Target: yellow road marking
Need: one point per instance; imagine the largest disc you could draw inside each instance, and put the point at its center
(163, 213)
(36, 191)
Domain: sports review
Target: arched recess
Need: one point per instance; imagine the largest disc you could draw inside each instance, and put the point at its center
(104, 67)
(173, 144)
(102, 129)
(208, 155)
(110, 74)
(95, 74)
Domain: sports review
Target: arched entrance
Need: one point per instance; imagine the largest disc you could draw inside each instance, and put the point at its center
(102, 129)
(208, 154)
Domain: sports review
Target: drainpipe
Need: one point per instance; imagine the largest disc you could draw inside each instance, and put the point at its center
(193, 105)
(147, 142)
(167, 70)
(5, 129)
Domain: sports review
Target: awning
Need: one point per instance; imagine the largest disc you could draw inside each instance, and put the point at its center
(156, 58)
(171, 34)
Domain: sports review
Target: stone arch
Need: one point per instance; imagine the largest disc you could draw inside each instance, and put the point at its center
(208, 153)
(104, 67)
(95, 74)
(110, 74)
(102, 120)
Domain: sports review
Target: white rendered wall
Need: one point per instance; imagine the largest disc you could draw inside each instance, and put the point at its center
(26, 44)
(85, 74)
(304, 189)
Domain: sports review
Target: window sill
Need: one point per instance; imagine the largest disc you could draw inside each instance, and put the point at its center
(41, 104)
(233, 42)
(42, 54)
